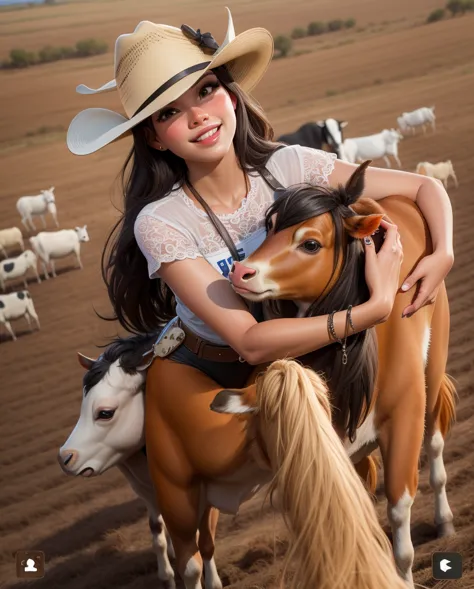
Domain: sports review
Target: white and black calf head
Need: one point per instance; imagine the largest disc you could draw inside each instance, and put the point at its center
(325, 133)
(111, 425)
(332, 130)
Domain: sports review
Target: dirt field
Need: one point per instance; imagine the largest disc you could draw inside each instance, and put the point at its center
(94, 532)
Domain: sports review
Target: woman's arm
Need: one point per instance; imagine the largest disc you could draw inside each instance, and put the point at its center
(211, 298)
(433, 201)
(428, 193)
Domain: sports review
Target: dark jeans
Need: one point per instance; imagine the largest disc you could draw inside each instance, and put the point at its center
(232, 375)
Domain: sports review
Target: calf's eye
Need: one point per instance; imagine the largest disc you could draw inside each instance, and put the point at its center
(311, 246)
(105, 414)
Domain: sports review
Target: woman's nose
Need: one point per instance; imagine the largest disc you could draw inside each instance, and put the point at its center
(198, 118)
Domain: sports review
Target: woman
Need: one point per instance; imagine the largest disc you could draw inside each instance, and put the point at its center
(200, 147)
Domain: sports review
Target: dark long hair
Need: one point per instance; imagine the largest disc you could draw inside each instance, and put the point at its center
(351, 385)
(140, 304)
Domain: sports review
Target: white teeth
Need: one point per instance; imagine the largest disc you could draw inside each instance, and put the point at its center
(208, 134)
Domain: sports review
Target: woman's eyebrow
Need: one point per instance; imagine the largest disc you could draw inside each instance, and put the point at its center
(208, 73)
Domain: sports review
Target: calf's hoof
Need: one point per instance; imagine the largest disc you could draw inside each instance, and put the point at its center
(445, 529)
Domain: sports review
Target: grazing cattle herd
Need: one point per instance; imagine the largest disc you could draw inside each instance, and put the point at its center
(48, 246)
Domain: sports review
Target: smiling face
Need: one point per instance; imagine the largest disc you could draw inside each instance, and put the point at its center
(206, 109)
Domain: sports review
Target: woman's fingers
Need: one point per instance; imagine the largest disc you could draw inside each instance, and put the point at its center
(391, 233)
(424, 297)
(369, 247)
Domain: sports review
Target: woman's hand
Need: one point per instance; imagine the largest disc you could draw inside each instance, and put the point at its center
(428, 274)
(382, 269)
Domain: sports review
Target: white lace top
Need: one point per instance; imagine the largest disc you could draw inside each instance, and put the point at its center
(174, 228)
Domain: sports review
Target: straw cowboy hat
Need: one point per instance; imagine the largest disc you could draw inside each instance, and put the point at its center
(155, 65)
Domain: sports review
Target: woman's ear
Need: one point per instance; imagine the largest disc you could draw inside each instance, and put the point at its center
(233, 99)
(152, 140)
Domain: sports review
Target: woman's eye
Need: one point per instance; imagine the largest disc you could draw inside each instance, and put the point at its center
(163, 116)
(208, 89)
(310, 246)
(205, 91)
(105, 414)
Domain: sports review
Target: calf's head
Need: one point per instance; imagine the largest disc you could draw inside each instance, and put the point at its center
(111, 423)
(313, 242)
(82, 233)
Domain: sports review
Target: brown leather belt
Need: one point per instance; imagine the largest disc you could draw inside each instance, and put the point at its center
(204, 349)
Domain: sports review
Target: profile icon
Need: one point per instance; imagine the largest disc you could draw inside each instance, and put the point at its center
(30, 566)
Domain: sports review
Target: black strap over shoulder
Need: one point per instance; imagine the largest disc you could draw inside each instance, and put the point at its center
(220, 228)
(270, 178)
(218, 225)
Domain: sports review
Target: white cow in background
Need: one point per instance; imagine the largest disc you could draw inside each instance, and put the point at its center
(10, 237)
(32, 206)
(370, 147)
(442, 171)
(17, 267)
(50, 245)
(416, 118)
(16, 305)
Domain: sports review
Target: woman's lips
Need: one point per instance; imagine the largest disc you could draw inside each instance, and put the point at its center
(210, 140)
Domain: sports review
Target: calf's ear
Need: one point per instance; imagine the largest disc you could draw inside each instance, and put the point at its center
(147, 360)
(85, 361)
(355, 185)
(232, 402)
(361, 226)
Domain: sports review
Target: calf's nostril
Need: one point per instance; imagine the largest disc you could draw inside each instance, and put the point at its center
(248, 275)
(68, 459)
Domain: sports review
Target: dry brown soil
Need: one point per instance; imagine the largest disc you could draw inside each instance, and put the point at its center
(94, 532)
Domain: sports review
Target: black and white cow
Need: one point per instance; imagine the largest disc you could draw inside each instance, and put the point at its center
(17, 267)
(16, 305)
(327, 133)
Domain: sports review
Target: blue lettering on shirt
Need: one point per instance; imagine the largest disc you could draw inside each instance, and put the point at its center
(226, 264)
